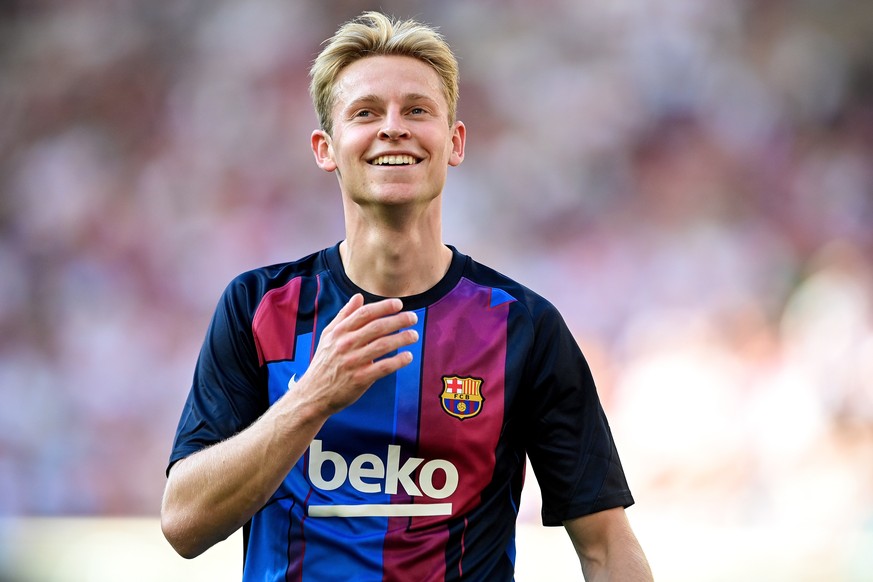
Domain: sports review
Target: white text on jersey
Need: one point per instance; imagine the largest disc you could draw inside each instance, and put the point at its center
(369, 473)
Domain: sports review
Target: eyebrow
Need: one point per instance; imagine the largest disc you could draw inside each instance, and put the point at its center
(373, 98)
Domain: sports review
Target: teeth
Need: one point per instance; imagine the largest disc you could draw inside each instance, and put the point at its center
(393, 161)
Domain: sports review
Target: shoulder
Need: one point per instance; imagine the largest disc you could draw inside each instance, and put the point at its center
(531, 303)
(257, 282)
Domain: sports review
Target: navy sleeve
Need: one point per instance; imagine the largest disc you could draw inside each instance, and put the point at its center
(228, 391)
(569, 442)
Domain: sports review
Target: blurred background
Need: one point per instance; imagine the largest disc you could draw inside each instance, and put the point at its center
(691, 183)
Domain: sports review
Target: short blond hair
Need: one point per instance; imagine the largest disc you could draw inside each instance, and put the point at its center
(374, 34)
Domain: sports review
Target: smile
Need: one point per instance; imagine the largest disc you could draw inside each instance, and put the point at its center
(402, 160)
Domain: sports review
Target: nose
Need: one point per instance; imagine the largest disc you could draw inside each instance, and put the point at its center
(393, 127)
(393, 133)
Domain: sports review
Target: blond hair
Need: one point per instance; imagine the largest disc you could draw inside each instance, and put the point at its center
(374, 34)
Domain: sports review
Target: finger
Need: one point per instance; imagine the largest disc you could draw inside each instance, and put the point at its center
(385, 345)
(352, 305)
(385, 326)
(372, 311)
(381, 368)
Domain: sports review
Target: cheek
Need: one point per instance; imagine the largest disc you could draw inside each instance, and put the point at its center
(352, 147)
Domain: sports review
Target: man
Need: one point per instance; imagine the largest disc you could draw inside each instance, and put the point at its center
(364, 413)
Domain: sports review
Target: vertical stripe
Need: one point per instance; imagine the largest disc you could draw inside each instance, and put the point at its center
(465, 337)
(402, 554)
(408, 395)
(463, 549)
(315, 315)
(296, 546)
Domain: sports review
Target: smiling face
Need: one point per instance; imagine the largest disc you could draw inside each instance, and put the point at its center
(392, 140)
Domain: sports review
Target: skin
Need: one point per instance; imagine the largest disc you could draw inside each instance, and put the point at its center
(607, 548)
(385, 105)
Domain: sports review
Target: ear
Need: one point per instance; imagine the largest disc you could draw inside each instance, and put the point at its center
(323, 150)
(459, 140)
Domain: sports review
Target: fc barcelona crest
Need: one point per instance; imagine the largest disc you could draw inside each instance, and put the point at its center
(461, 397)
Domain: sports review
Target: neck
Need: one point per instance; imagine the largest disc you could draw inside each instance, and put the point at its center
(395, 259)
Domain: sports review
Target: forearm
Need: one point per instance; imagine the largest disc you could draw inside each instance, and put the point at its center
(607, 548)
(212, 493)
(625, 562)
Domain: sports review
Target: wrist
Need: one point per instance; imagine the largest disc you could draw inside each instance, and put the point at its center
(301, 407)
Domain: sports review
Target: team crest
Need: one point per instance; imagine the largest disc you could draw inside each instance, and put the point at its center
(461, 397)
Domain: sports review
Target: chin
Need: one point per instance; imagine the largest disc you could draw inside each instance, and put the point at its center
(398, 197)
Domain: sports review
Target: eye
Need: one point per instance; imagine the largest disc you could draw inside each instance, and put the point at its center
(363, 113)
(417, 111)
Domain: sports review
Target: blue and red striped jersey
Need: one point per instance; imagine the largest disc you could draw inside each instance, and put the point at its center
(421, 478)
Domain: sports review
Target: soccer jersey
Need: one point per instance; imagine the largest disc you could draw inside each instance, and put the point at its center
(420, 479)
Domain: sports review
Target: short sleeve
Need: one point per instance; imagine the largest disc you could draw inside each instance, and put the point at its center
(228, 390)
(568, 439)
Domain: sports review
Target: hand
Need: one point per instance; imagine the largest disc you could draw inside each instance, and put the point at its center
(349, 357)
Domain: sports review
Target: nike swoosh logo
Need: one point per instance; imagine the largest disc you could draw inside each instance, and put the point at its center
(292, 381)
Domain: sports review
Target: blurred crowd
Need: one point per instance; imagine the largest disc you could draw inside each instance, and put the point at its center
(691, 183)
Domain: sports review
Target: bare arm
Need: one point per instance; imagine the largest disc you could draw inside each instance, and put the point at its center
(607, 547)
(212, 493)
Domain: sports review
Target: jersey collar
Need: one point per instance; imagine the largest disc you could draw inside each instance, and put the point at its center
(412, 302)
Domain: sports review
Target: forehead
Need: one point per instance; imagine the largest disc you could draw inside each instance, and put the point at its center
(388, 78)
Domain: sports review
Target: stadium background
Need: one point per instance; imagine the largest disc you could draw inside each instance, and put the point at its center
(689, 182)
